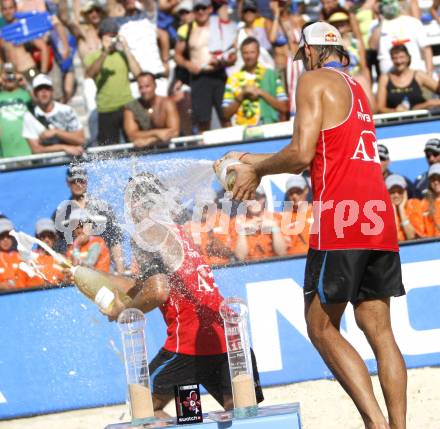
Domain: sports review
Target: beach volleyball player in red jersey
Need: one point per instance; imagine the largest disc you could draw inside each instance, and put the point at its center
(174, 277)
(354, 255)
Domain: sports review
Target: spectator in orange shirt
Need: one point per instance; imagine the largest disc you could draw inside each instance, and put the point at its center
(211, 235)
(9, 258)
(258, 231)
(87, 249)
(431, 204)
(408, 212)
(297, 215)
(45, 263)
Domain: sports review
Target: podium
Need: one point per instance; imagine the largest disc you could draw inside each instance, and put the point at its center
(286, 416)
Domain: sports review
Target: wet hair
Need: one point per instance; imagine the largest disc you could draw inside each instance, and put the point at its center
(325, 51)
(249, 41)
(145, 183)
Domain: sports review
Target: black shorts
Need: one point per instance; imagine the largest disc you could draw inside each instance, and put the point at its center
(170, 369)
(352, 275)
(207, 90)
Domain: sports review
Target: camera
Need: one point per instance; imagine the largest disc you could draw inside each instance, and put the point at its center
(114, 42)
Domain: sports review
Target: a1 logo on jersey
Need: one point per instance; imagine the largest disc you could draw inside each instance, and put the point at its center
(366, 148)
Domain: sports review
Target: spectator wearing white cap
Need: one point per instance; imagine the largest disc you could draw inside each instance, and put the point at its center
(257, 232)
(384, 156)
(53, 126)
(432, 153)
(9, 257)
(46, 265)
(297, 215)
(408, 212)
(431, 204)
(87, 249)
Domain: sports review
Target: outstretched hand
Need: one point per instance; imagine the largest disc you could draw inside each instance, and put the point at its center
(246, 182)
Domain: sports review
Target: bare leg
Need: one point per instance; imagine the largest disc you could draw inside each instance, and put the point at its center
(159, 403)
(373, 317)
(323, 321)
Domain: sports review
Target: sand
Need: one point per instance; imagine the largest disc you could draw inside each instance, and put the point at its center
(324, 405)
(244, 391)
(141, 401)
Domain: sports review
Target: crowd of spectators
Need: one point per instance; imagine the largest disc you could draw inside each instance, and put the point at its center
(86, 230)
(156, 70)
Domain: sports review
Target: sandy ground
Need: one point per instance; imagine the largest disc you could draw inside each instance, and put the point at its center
(324, 405)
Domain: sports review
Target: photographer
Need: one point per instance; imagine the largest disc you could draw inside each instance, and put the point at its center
(14, 103)
(254, 95)
(53, 126)
(109, 67)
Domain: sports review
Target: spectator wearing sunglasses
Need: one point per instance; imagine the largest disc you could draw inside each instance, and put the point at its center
(432, 153)
(77, 181)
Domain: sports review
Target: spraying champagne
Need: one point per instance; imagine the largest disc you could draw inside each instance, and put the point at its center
(96, 285)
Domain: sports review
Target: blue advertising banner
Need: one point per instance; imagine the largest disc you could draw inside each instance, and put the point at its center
(28, 195)
(59, 352)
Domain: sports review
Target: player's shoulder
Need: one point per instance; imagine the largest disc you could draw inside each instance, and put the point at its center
(317, 77)
(319, 80)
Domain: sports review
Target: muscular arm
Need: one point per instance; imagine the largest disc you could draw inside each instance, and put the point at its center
(145, 138)
(298, 154)
(154, 291)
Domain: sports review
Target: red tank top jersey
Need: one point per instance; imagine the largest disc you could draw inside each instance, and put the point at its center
(191, 313)
(352, 208)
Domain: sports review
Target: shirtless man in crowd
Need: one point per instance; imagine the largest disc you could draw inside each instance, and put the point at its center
(150, 119)
(17, 54)
(87, 33)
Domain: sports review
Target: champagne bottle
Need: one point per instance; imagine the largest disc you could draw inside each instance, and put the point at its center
(225, 178)
(98, 286)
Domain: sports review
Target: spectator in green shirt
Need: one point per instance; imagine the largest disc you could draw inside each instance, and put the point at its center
(110, 68)
(14, 103)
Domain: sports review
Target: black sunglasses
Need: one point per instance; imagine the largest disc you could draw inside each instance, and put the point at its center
(430, 153)
(199, 8)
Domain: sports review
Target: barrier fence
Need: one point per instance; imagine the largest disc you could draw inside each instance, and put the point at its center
(220, 136)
